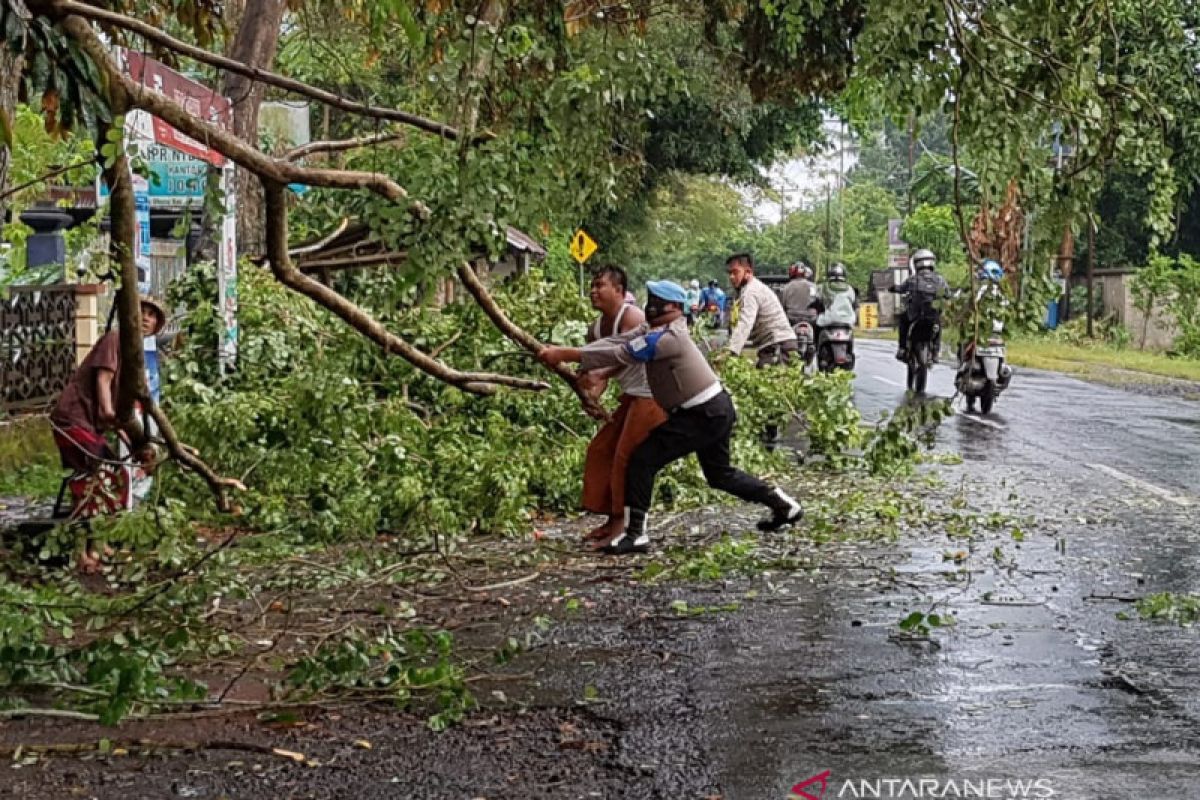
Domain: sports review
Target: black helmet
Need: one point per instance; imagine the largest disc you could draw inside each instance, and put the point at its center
(837, 272)
(923, 259)
(712, 284)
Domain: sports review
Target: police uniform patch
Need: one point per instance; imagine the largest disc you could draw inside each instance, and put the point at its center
(643, 347)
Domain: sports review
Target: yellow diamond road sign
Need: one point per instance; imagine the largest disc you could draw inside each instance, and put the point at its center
(582, 246)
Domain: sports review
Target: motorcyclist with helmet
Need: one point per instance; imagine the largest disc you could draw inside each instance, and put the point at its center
(990, 298)
(921, 291)
(713, 302)
(836, 299)
(692, 308)
(798, 293)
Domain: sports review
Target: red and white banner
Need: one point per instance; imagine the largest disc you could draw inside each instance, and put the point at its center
(199, 100)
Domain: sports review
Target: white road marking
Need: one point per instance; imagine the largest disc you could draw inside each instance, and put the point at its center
(981, 421)
(1145, 486)
(889, 381)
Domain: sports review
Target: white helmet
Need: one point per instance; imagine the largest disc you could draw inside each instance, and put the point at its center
(923, 259)
(695, 283)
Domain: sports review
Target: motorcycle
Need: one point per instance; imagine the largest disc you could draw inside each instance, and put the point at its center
(835, 348)
(922, 335)
(982, 371)
(806, 340)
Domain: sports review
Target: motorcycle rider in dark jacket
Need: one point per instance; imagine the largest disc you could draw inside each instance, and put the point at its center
(920, 291)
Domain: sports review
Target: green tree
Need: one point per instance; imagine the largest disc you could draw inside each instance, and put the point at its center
(692, 225)
(851, 228)
(935, 228)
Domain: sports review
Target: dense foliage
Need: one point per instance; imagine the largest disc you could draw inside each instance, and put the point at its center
(335, 440)
(347, 454)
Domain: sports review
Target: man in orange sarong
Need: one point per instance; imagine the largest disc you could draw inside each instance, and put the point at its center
(636, 415)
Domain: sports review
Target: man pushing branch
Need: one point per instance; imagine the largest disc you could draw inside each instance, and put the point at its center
(700, 413)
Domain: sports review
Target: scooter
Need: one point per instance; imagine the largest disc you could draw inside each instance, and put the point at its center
(806, 340)
(835, 348)
(982, 372)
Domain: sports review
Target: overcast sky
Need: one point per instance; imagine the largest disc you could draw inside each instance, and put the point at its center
(800, 182)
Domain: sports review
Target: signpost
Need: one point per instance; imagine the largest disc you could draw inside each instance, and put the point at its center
(897, 247)
(177, 180)
(227, 288)
(141, 249)
(868, 316)
(196, 98)
(180, 166)
(582, 248)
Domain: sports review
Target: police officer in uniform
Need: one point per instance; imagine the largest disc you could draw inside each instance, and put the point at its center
(700, 412)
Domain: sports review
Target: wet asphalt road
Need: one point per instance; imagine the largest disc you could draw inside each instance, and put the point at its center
(1038, 681)
(1049, 421)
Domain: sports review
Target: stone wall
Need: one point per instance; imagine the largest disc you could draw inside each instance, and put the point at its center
(1114, 289)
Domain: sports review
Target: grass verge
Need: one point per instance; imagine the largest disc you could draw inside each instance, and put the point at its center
(881, 334)
(29, 464)
(1105, 362)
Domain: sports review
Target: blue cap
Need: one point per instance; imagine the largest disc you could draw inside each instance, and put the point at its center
(668, 290)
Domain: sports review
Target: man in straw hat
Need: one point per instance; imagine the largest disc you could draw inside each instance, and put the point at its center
(87, 409)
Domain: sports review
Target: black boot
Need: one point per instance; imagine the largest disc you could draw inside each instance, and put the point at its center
(770, 437)
(634, 539)
(785, 510)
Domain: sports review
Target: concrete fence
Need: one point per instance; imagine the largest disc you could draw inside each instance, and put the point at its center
(1155, 331)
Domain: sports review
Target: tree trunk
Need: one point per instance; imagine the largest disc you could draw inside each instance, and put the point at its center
(257, 23)
(1066, 258)
(10, 74)
(474, 74)
(132, 378)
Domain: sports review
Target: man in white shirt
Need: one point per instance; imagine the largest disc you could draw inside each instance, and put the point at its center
(761, 320)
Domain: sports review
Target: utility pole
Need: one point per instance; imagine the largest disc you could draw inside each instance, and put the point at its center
(828, 208)
(1091, 273)
(912, 144)
(842, 193)
(1066, 257)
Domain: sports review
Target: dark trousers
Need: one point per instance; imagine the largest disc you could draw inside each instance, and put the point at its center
(906, 325)
(705, 431)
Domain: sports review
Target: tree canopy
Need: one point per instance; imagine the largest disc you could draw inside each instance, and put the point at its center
(443, 122)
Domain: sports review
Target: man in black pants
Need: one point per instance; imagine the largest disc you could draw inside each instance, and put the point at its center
(700, 417)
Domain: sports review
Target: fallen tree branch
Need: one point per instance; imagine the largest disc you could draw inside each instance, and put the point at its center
(483, 297)
(188, 458)
(341, 145)
(286, 273)
(312, 248)
(149, 32)
(441, 348)
(68, 748)
(59, 713)
(131, 381)
(503, 584)
(229, 145)
(43, 178)
(275, 174)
